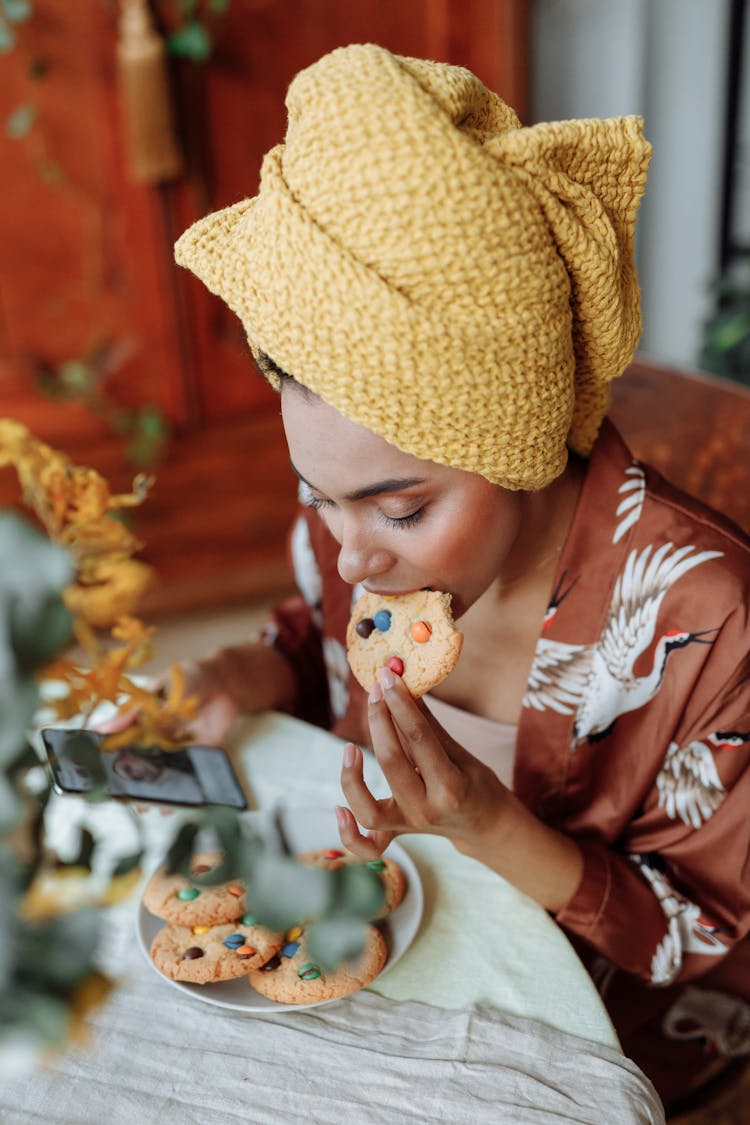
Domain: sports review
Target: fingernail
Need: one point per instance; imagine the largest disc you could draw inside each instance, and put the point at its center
(387, 678)
(376, 693)
(349, 755)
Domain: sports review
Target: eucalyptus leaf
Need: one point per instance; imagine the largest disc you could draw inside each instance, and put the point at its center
(127, 864)
(7, 37)
(17, 11)
(358, 891)
(335, 939)
(60, 951)
(18, 124)
(44, 1016)
(38, 632)
(11, 806)
(281, 891)
(181, 848)
(30, 565)
(191, 41)
(19, 699)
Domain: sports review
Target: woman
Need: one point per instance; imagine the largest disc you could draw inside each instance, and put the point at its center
(443, 297)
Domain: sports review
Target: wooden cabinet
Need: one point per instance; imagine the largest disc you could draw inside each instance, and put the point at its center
(86, 267)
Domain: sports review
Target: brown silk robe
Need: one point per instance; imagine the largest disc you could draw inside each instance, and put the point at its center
(634, 739)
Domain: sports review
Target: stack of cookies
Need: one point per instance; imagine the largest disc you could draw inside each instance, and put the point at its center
(210, 935)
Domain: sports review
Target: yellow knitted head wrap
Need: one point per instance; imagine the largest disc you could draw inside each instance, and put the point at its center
(458, 284)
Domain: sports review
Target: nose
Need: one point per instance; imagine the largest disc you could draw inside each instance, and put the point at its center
(360, 556)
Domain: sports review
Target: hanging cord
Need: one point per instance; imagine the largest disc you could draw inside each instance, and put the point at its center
(153, 151)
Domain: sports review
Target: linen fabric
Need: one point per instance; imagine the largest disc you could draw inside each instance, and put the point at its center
(361, 1061)
(642, 757)
(459, 284)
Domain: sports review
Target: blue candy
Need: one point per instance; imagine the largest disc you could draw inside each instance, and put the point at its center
(290, 948)
(234, 941)
(382, 620)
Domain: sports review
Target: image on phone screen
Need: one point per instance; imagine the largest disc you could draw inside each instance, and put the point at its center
(192, 776)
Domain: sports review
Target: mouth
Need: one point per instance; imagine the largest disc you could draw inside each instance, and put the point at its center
(396, 593)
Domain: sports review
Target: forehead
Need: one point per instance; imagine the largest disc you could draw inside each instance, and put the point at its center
(326, 446)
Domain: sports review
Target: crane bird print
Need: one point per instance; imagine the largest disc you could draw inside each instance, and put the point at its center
(597, 682)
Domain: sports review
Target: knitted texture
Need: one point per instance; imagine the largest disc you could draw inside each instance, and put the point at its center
(458, 284)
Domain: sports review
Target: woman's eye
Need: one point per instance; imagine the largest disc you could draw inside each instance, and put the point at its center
(404, 521)
(316, 503)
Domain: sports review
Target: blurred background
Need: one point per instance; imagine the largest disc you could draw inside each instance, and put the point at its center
(122, 122)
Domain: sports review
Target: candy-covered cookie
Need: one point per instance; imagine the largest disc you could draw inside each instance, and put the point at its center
(293, 977)
(391, 875)
(413, 634)
(187, 903)
(206, 954)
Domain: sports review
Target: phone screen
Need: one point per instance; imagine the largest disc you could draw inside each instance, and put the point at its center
(193, 775)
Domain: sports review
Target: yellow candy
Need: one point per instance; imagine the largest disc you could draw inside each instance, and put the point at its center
(294, 933)
(201, 929)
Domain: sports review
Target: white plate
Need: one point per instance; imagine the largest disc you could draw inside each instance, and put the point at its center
(305, 829)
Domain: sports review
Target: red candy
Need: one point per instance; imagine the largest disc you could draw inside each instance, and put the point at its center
(332, 853)
(396, 665)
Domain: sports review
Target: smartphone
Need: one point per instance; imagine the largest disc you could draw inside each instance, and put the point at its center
(192, 776)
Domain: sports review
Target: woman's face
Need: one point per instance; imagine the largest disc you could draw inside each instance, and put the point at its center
(402, 524)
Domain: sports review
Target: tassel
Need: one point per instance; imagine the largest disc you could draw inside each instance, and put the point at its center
(153, 152)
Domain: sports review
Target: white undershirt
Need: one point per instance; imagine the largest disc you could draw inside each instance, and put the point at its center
(490, 741)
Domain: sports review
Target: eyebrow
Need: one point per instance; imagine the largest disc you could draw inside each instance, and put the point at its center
(393, 484)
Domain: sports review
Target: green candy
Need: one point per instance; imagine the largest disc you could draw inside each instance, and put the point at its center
(376, 865)
(308, 972)
(249, 920)
(187, 894)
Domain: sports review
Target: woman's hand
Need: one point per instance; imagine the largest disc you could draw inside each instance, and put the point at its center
(438, 787)
(231, 681)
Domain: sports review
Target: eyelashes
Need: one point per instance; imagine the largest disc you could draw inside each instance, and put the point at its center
(398, 522)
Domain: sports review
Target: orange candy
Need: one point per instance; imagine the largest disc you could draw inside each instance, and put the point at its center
(236, 891)
(421, 632)
(246, 951)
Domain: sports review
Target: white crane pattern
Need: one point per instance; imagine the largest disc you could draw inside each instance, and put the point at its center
(596, 681)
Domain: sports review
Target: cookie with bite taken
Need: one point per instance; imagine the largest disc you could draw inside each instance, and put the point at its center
(412, 634)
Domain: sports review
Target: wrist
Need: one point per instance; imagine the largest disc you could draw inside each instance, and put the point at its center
(255, 677)
(539, 860)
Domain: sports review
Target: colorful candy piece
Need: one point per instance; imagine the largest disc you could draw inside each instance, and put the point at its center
(234, 941)
(249, 920)
(246, 951)
(365, 627)
(421, 631)
(382, 620)
(201, 929)
(294, 933)
(332, 853)
(396, 665)
(376, 865)
(201, 868)
(290, 948)
(272, 964)
(193, 953)
(308, 972)
(187, 894)
(235, 890)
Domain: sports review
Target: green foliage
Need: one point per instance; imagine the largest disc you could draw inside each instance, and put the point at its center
(726, 338)
(47, 954)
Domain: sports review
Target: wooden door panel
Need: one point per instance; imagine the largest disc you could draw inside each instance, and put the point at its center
(84, 266)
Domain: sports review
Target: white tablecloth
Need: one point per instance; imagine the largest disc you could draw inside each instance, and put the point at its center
(488, 1018)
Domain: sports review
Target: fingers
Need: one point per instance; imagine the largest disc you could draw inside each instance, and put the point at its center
(370, 846)
(117, 723)
(434, 754)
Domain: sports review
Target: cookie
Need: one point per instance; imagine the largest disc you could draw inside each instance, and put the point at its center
(179, 900)
(391, 875)
(413, 634)
(292, 977)
(206, 954)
